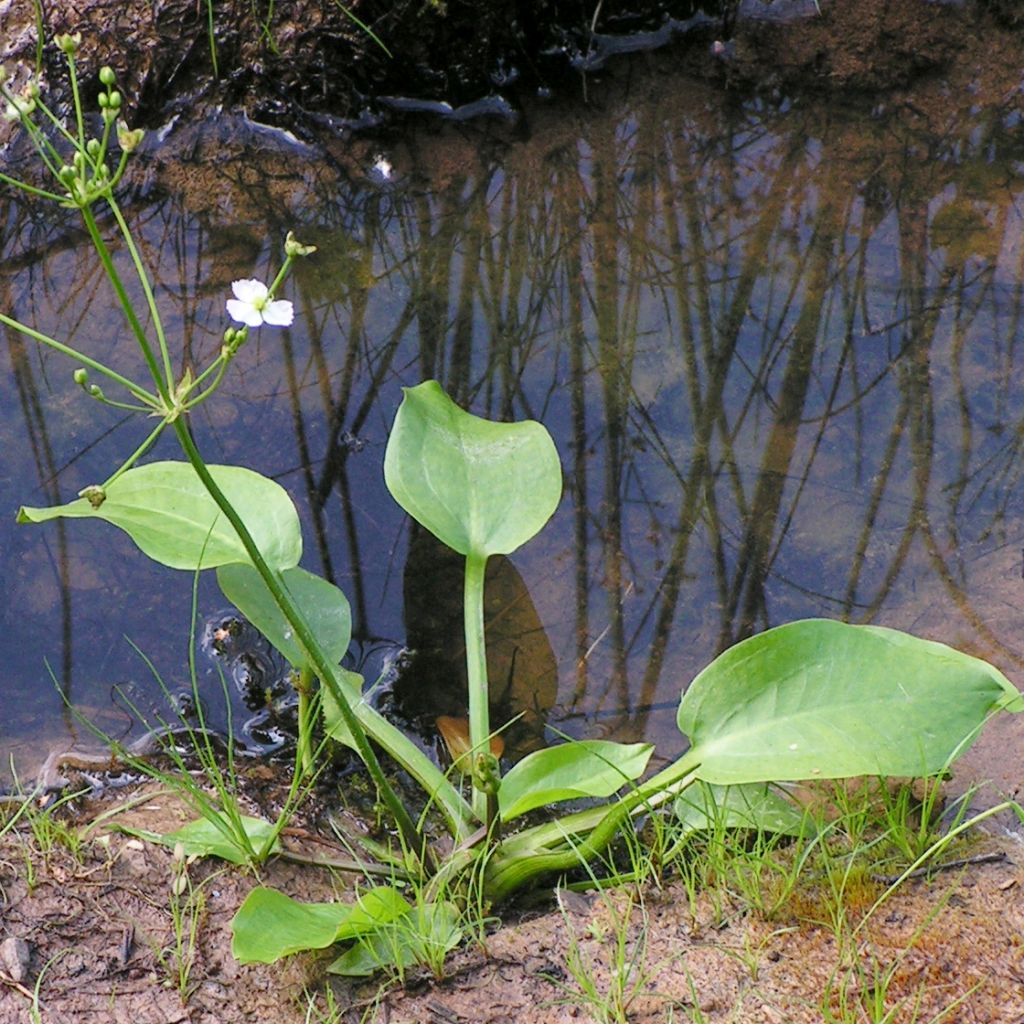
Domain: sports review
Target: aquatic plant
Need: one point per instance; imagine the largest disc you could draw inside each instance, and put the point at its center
(811, 699)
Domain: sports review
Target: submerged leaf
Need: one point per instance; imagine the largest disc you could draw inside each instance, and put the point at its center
(483, 488)
(166, 510)
(322, 604)
(270, 925)
(587, 768)
(823, 699)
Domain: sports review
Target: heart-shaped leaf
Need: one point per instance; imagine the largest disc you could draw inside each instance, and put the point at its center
(587, 768)
(823, 699)
(166, 510)
(270, 925)
(483, 488)
(322, 604)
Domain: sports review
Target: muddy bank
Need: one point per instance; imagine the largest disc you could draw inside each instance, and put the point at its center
(95, 931)
(370, 60)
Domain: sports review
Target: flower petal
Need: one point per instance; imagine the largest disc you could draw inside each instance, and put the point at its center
(279, 313)
(250, 290)
(244, 313)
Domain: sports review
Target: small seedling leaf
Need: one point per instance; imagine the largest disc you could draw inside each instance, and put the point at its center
(756, 807)
(823, 699)
(423, 936)
(166, 510)
(483, 488)
(270, 925)
(322, 604)
(588, 768)
(204, 838)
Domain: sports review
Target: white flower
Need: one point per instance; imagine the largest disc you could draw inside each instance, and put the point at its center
(382, 166)
(252, 305)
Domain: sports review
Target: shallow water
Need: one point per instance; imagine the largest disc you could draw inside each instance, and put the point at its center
(776, 342)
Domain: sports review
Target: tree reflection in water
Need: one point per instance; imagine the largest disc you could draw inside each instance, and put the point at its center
(776, 345)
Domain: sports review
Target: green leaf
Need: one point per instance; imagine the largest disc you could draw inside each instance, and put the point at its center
(423, 936)
(322, 604)
(823, 699)
(483, 488)
(334, 724)
(270, 925)
(756, 806)
(587, 768)
(165, 509)
(205, 838)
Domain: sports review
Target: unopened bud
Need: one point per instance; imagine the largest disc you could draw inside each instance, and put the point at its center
(81, 376)
(115, 100)
(107, 76)
(92, 147)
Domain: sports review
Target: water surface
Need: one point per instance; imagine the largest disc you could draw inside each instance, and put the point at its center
(777, 342)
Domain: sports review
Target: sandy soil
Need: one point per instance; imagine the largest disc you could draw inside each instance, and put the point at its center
(92, 938)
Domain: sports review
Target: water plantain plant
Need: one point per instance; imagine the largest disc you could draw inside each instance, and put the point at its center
(811, 699)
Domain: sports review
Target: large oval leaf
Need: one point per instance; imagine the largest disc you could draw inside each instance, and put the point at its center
(166, 510)
(322, 604)
(823, 699)
(270, 924)
(587, 768)
(483, 488)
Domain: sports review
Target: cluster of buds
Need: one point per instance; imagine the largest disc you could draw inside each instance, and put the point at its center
(85, 175)
(109, 101)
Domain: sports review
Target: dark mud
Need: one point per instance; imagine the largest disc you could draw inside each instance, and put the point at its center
(358, 64)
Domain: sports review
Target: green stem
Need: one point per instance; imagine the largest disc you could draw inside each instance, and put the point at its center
(163, 386)
(140, 393)
(569, 842)
(368, 720)
(137, 454)
(476, 673)
(140, 272)
(76, 99)
(303, 745)
(31, 189)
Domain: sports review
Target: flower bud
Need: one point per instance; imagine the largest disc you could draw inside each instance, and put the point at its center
(115, 100)
(107, 76)
(103, 100)
(81, 376)
(95, 391)
(92, 147)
